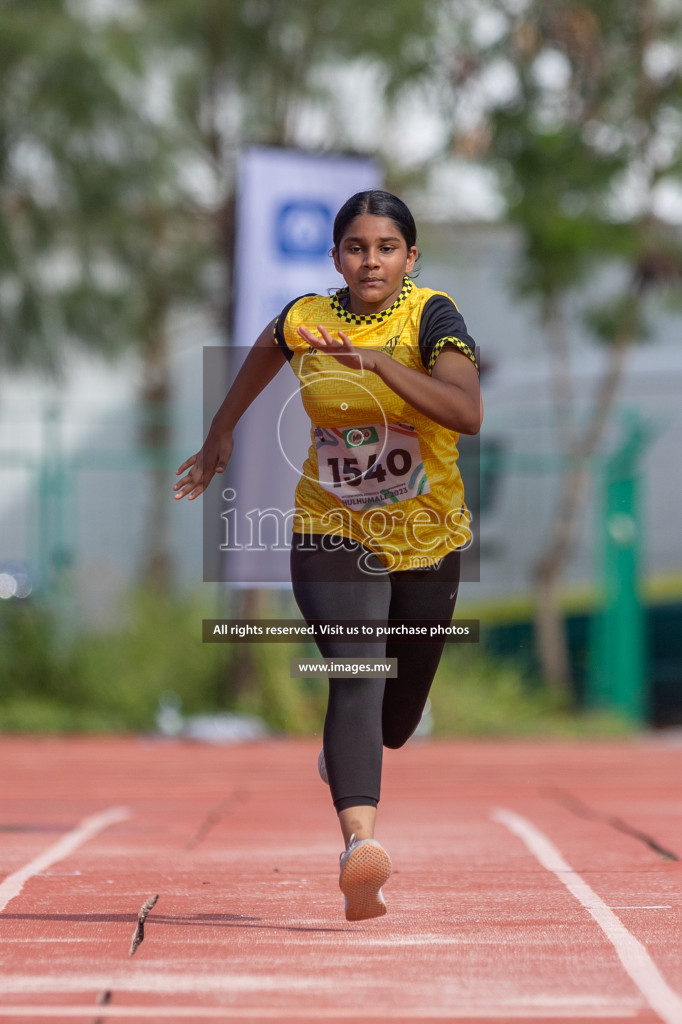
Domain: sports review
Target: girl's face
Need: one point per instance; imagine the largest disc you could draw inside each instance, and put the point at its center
(373, 257)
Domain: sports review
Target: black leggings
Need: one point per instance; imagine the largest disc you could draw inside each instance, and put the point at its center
(364, 715)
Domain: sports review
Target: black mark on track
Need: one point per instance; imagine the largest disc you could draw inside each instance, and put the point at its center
(239, 796)
(571, 803)
(103, 999)
(138, 934)
(54, 827)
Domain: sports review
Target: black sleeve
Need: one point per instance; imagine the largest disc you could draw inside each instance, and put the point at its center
(279, 325)
(443, 324)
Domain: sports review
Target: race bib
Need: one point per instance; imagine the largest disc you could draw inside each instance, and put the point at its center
(366, 467)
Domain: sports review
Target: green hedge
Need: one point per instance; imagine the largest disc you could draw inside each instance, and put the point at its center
(111, 681)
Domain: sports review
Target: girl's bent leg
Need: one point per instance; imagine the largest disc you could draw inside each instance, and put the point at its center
(428, 594)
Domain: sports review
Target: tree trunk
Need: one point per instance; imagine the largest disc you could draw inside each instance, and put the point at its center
(243, 677)
(155, 438)
(550, 633)
(554, 319)
(550, 630)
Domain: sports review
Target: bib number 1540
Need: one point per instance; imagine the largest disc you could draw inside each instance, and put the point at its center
(349, 471)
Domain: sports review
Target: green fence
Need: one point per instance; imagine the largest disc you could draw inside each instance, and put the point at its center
(53, 517)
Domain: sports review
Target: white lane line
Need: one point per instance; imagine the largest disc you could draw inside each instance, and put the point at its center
(632, 954)
(64, 847)
(304, 987)
(278, 1013)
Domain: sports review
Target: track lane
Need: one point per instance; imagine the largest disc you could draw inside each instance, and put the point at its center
(631, 952)
(249, 920)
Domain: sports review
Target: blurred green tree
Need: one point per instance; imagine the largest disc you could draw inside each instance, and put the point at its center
(120, 125)
(585, 138)
(302, 75)
(99, 236)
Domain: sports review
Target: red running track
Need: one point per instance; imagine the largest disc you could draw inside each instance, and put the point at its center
(532, 882)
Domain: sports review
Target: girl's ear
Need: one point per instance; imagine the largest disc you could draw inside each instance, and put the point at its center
(335, 257)
(412, 254)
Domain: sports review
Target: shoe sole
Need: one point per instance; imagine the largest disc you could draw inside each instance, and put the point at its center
(361, 879)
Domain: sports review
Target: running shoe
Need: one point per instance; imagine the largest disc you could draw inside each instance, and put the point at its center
(322, 767)
(365, 867)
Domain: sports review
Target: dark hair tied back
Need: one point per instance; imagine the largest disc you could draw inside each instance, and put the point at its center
(381, 204)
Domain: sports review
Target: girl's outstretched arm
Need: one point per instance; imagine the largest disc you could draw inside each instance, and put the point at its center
(260, 366)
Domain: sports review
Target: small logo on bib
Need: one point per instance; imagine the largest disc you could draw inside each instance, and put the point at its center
(360, 435)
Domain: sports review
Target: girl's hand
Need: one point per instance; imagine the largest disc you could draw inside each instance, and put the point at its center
(203, 466)
(341, 348)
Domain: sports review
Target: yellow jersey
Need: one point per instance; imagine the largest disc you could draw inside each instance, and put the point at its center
(378, 471)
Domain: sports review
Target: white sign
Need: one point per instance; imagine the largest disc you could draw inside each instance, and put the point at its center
(287, 202)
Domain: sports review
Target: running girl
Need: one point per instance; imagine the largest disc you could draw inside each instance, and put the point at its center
(389, 379)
